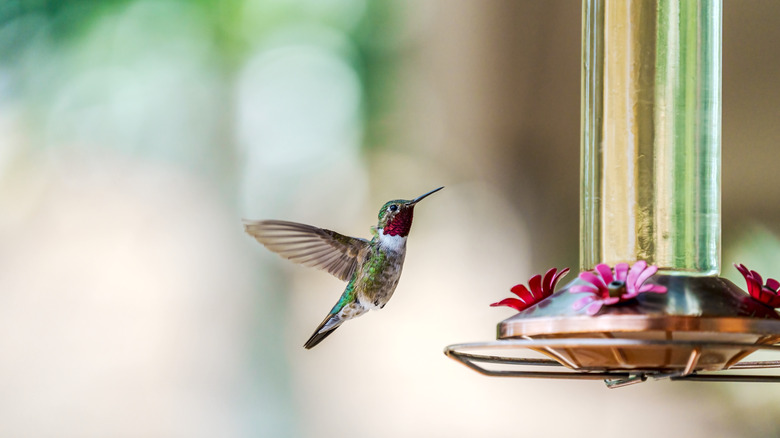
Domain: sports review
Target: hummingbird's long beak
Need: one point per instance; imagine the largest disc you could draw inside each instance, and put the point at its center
(420, 198)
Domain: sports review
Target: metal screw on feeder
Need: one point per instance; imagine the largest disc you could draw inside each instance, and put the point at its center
(650, 199)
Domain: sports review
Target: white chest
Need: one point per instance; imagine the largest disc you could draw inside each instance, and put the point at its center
(392, 243)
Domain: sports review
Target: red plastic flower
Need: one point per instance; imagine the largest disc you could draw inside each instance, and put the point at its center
(540, 289)
(764, 293)
(605, 289)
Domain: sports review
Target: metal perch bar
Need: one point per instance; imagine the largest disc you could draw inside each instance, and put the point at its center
(617, 378)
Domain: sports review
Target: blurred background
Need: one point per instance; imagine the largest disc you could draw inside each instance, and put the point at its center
(135, 135)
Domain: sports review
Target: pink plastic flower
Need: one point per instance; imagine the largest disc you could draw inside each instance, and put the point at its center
(605, 289)
(764, 293)
(540, 289)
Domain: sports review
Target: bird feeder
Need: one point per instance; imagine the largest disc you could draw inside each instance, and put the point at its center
(650, 200)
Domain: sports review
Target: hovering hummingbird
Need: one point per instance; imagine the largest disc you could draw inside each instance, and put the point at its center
(372, 267)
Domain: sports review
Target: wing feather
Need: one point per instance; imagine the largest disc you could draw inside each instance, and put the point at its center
(309, 246)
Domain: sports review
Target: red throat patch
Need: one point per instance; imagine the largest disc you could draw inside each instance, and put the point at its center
(400, 224)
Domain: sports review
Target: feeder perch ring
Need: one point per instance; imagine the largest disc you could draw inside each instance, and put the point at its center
(468, 354)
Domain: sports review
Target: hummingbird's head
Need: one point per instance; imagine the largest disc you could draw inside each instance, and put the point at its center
(395, 217)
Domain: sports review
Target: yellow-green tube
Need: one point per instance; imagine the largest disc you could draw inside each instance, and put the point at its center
(651, 81)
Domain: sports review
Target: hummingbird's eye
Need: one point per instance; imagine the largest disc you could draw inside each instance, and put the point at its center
(393, 207)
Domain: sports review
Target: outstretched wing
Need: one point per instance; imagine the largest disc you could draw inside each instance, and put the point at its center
(309, 246)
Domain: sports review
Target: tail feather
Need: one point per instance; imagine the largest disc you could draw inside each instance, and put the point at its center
(326, 327)
(316, 338)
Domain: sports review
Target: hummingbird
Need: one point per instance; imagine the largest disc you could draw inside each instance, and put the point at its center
(371, 267)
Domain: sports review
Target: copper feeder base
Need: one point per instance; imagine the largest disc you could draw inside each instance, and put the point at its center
(701, 324)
